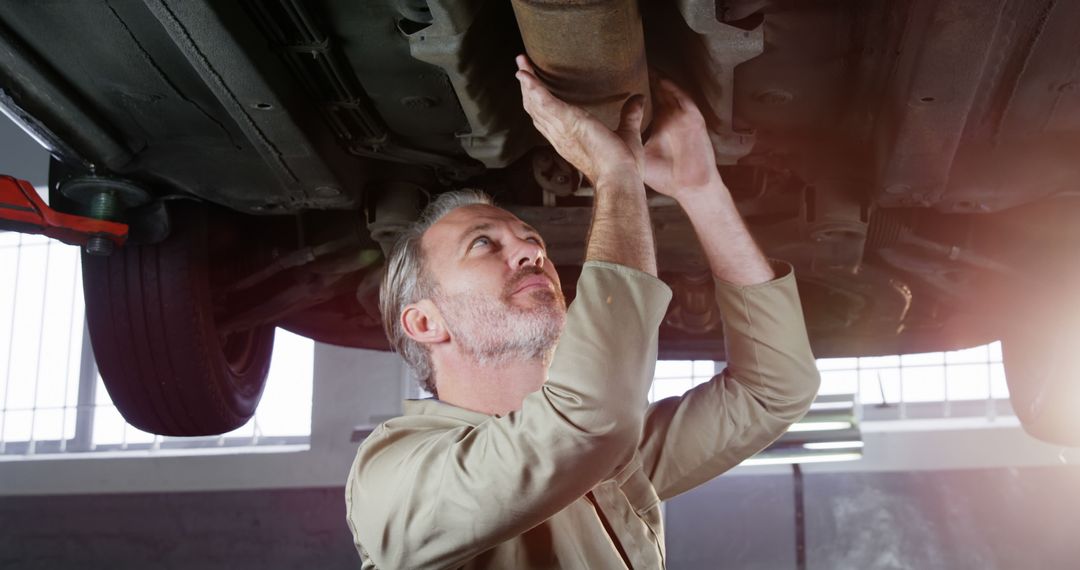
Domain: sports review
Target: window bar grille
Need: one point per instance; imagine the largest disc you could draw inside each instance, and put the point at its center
(85, 400)
(255, 430)
(858, 389)
(991, 408)
(67, 360)
(947, 405)
(858, 379)
(11, 344)
(31, 446)
(901, 401)
(123, 434)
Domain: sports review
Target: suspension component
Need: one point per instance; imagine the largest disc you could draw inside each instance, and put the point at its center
(104, 199)
(22, 210)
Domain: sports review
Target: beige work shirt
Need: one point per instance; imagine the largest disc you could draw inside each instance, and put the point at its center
(575, 478)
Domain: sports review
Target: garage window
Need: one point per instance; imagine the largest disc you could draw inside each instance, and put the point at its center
(52, 400)
(960, 383)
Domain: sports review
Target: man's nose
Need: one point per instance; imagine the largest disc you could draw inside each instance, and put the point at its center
(528, 253)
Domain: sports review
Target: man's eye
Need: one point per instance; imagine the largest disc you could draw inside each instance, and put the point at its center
(480, 241)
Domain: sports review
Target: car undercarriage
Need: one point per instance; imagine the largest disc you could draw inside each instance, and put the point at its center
(915, 161)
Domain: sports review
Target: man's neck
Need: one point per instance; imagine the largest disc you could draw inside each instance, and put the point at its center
(489, 388)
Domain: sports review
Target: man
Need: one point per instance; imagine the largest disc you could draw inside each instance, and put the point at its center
(541, 457)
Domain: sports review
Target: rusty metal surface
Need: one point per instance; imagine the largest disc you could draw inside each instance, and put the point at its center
(460, 40)
(724, 47)
(590, 53)
(945, 54)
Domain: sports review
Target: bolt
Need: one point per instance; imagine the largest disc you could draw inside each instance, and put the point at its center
(105, 206)
(562, 179)
(100, 246)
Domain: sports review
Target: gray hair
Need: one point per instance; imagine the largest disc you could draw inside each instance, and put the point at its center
(407, 281)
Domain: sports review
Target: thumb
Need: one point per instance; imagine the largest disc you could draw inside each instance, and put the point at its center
(633, 112)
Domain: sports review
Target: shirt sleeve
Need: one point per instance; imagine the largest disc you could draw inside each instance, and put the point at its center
(434, 498)
(769, 383)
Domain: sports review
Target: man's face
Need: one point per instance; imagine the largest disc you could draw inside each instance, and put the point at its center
(499, 295)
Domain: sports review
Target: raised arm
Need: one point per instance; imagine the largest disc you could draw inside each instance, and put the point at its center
(771, 377)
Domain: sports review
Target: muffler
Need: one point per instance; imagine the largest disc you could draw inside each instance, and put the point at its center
(588, 52)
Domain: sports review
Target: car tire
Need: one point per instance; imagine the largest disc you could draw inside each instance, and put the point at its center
(149, 311)
(1041, 355)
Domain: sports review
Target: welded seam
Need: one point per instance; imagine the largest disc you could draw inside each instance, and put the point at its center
(181, 36)
(164, 77)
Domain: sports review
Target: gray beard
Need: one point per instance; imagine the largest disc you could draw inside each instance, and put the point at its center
(493, 331)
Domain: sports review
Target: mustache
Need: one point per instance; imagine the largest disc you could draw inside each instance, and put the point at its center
(522, 274)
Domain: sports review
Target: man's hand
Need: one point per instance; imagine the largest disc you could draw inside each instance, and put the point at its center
(679, 163)
(679, 158)
(613, 160)
(597, 151)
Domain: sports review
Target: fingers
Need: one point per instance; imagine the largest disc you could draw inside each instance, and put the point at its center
(676, 94)
(575, 134)
(552, 116)
(530, 83)
(524, 64)
(664, 99)
(533, 90)
(537, 100)
(633, 113)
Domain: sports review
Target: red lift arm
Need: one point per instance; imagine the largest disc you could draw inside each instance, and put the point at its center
(22, 210)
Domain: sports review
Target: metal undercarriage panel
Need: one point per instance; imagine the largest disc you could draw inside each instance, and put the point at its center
(897, 153)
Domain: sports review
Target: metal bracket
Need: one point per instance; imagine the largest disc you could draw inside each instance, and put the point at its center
(22, 210)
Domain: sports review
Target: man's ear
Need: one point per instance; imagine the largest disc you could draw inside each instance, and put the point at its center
(423, 323)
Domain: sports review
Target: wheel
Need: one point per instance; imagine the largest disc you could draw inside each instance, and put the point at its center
(1041, 354)
(150, 314)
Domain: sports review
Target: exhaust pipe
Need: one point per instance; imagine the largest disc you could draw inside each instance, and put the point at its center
(588, 52)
